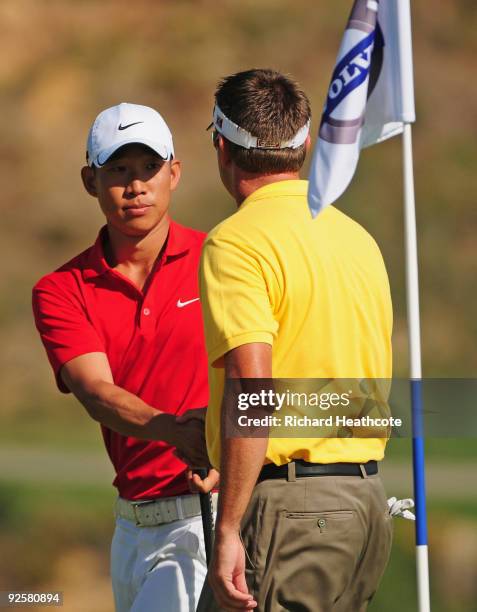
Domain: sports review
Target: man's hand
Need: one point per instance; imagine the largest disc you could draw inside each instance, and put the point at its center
(191, 450)
(189, 439)
(199, 485)
(195, 413)
(227, 573)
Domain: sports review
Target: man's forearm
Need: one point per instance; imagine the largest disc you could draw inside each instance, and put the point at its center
(242, 460)
(126, 413)
(247, 369)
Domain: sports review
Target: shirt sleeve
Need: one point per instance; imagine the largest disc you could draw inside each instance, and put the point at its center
(234, 297)
(64, 327)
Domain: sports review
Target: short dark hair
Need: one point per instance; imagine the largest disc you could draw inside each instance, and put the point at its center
(270, 106)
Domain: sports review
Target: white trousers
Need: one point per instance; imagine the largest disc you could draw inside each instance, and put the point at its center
(158, 569)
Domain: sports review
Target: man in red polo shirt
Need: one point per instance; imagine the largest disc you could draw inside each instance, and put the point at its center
(122, 327)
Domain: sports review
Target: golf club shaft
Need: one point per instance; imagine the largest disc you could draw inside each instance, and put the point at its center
(207, 516)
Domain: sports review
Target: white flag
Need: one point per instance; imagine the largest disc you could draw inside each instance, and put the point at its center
(370, 97)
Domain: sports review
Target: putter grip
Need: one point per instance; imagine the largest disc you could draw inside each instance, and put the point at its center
(207, 516)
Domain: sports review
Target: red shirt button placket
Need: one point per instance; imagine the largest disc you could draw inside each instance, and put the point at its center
(146, 318)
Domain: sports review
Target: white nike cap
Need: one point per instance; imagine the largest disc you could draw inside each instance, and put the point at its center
(127, 124)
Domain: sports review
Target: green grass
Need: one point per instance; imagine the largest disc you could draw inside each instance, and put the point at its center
(442, 450)
(455, 509)
(39, 523)
(398, 591)
(22, 503)
(59, 430)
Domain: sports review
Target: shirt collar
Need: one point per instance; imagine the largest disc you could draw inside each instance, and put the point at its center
(178, 240)
(176, 244)
(278, 189)
(96, 263)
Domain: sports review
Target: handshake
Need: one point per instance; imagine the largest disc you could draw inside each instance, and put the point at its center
(188, 436)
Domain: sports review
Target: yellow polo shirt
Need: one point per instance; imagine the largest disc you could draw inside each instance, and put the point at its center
(316, 290)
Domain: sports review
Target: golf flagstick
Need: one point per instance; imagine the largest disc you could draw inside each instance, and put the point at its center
(370, 99)
(418, 464)
(207, 513)
(403, 19)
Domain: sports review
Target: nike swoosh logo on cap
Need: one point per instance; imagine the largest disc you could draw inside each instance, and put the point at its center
(125, 127)
(182, 304)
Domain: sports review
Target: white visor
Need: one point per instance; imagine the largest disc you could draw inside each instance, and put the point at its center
(241, 137)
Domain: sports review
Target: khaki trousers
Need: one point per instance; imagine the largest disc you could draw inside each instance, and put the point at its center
(314, 544)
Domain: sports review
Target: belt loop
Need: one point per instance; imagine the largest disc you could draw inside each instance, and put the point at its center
(364, 473)
(291, 476)
(180, 512)
(137, 518)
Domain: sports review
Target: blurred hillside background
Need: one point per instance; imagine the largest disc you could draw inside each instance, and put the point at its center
(61, 62)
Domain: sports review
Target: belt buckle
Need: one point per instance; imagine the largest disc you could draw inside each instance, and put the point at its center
(140, 504)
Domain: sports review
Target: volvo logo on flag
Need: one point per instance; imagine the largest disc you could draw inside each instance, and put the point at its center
(363, 60)
(367, 101)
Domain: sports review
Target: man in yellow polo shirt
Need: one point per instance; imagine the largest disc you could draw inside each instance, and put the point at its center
(303, 523)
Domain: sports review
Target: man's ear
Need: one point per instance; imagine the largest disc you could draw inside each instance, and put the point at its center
(89, 180)
(175, 173)
(308, 144)
(223, 151)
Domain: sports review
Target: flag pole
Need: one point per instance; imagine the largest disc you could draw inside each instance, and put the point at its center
(403, 17)
(378, 32)
(412, 290)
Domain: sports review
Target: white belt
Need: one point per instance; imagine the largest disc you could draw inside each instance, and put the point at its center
(148, 513)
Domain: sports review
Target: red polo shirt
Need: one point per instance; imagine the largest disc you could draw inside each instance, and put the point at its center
(153, 339)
